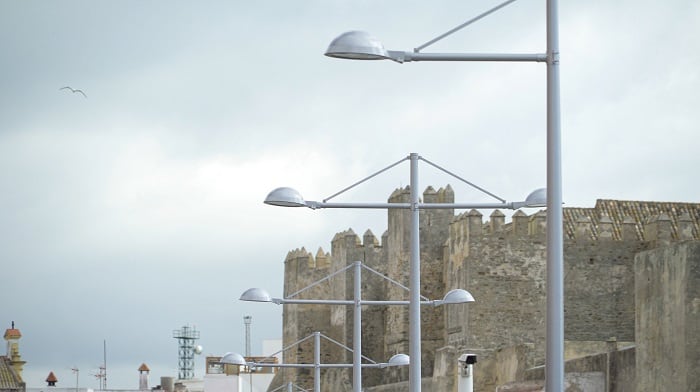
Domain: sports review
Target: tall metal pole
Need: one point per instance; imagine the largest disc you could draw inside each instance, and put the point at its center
(554, 360)
(414, 343)
(357, 329)
(317, 361)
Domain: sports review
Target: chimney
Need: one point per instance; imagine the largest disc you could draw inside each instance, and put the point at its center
(51, 380)
(143, 377)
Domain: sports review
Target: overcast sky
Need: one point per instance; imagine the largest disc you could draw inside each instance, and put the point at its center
(137, 210)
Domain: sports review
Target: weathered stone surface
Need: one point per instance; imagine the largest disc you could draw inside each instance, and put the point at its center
(668, 318)
(504, 266)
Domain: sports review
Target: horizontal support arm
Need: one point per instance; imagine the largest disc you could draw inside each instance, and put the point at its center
(280, 301)
(421, 206)
(461, 206)
(317, 204)
(321, 365)
(402, 57)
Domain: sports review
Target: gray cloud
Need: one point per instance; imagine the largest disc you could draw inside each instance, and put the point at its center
(138, 210)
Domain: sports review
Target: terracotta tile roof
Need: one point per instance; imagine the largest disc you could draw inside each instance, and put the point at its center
(51, 377)
(144, 368)
(12, 333)
(9, 380)
(641, 212)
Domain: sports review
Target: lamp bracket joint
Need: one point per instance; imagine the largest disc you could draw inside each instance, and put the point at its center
(554, 57)
(397, 55)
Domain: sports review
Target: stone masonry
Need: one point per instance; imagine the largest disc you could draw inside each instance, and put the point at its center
(668, 321)
(502, 265)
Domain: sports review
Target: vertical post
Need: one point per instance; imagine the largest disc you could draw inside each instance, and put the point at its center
(554, 365)
(317, 361)
(357, 329)
(470, 378)
(104, 362)
(414, 343)
(466, 378)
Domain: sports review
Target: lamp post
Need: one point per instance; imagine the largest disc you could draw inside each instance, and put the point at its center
(288, 197)
(454, 296)
(77, 376)
(237, 359)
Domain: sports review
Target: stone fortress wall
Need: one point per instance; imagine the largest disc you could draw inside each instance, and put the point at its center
(503, 265)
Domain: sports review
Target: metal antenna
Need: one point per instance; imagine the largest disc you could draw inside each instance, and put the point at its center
(246, 321)
(186, 338)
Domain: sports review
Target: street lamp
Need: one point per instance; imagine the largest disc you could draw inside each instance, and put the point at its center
(232, 358)
(288, 197)
(454, 296)
(237, 359)
(362, 46)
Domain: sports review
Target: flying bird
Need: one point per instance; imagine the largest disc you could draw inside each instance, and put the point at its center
(73, 90)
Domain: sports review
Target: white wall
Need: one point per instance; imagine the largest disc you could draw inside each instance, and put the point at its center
(272, 346)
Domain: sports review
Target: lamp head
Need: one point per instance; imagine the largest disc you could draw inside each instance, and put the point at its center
(536, 199)
(285, 197)
(457, 296)
(233, 359)
(399, 360)
(256, 295)
(357, 45)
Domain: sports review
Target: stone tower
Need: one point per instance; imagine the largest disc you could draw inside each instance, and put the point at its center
(12, 336)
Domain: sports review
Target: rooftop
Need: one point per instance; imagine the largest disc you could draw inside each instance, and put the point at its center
(12, 333)
(9, 379)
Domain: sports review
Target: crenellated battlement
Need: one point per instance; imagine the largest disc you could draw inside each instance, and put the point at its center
(442, 195)
(301, 257)
(430, 195)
